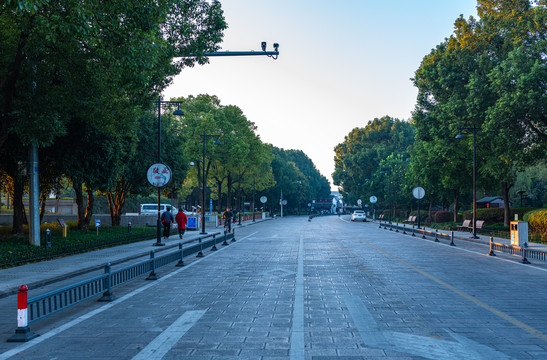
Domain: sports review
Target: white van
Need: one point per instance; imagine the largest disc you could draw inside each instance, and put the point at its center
(152, 209)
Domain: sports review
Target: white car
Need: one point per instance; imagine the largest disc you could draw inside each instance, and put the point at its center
(358, 215)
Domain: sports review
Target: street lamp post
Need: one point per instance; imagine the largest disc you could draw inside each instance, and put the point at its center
(461, 136)
(204, 137)
(177, 112)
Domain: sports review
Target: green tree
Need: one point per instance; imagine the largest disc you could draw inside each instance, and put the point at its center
(359, 156)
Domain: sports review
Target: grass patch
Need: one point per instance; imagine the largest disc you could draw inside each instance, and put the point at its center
(15, 250)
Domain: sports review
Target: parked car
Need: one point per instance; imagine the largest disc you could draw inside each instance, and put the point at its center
(152, 209)
(358, 215)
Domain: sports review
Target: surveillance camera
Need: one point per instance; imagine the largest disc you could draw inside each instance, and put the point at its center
(263, 46)
(276, 47)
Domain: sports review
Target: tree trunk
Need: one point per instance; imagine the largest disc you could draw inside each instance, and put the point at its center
(89, 208)
(505, 192)
(456, 203)
(78, 189)
(229, 191)
(18, 208)
(116, 201)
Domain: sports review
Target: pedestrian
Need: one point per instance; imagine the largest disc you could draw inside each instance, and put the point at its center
(167, 219)
(181, 220)
(227, 216)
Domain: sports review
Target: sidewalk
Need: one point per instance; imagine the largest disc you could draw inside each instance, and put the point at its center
(42, 273)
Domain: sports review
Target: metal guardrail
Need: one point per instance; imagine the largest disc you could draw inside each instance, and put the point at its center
(44, 305)
(523, 251)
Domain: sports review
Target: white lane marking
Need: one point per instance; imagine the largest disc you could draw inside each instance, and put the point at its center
(427, 347)
(161, 345)
(16, 350)
(297, 331)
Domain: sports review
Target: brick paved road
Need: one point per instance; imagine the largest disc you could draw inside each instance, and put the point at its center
(326, 289)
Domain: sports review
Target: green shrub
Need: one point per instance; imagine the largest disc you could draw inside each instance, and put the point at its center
(538, 221)
(496, 215)
(443, 216)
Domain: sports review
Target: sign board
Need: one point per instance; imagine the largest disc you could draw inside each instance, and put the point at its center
(62, 222)
(373, 199)
(159, 175)
(97, 222)
(192, 222)
(418, 192)
(263, 199)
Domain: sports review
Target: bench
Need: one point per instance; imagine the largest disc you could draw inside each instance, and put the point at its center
(467, 225)
(411, 219)
(464, 226)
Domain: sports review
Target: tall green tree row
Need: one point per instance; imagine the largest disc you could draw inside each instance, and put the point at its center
(68, 64)
(364, 154)
(490, 76)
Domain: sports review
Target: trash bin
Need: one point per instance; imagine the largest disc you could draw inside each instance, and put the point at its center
(519, 233)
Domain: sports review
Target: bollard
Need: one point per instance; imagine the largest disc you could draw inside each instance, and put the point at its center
(107, 295)
(181, 260)
(380, 222)
(452, 239)
(413, 231)
(22, 333)
(200, 253)
(152, 275)
(404, 229)
(225, 243)
(129, 227)
(233, 236)
(524, 259)
(48, 238)
(397, 228)
(492, 253)
(423, 233)
(214, 248)
(436, 236)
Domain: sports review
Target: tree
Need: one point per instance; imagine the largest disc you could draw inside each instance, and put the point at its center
(359, 156)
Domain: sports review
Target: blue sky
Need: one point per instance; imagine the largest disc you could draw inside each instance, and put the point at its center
(341, 64)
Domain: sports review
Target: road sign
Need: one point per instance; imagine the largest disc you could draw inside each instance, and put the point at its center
(284, 202)
(263, 199)
(373, 199)
(359, 202)
(159, 175)
(97, 222)
(418, 192)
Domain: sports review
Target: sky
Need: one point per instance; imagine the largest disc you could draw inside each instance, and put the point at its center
(341, 64)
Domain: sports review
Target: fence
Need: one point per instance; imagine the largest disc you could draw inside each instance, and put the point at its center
(37, 308)
(522, 251)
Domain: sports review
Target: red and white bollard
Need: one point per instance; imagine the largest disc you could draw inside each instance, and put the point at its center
(22, 333)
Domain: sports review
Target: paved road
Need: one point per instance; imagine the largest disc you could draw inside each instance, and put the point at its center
(325, 289)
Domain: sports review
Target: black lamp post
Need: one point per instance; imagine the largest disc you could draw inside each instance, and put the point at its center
(461, 136)
(178, 112)
(204, 137)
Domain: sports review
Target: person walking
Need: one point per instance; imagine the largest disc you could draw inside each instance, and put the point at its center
(181, 220)
(227, 216)
(167, 219)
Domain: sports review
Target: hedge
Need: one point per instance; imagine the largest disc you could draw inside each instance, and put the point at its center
(496, 215)
(444, 216)
(538, 221)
